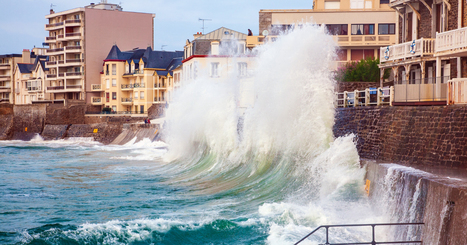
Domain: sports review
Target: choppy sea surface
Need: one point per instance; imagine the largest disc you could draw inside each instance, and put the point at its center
(269, 174)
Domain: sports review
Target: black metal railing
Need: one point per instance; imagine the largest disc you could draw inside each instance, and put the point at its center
(373, 241)
(117, 112)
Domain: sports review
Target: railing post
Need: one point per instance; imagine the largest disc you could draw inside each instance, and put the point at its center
(345, 99)
(373, 242)
(367, 97)
(391, 95)
(327, 235)
(355, 98)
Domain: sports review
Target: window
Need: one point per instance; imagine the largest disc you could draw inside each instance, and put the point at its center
(114, 108)
(107, 97)
(242, 68)
(278, 29)
(215, 69)
(384, 1)
(332, 5)
(114, 69)
(107, 69)
(386, 29)
(363, 29)
(136, 95)
(114, 95)
(195, 69)
(127, 68)
(114, 82)
(107, 83)
(76, 16)
(356, 4)
(337, 29)
(141, 95)
(241, 48)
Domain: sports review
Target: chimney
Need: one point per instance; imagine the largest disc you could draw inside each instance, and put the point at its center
(26, 57)
(198, 34)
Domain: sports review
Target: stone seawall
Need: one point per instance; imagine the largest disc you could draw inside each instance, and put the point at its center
(434, 196)
(435, 136)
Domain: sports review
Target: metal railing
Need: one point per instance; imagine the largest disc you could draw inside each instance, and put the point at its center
(117, 112)
(373, 241)
(457, 91)
(421, 90)
(368, 97)
(418, 47)
(97, 87)
(134, 85)
(127, 99)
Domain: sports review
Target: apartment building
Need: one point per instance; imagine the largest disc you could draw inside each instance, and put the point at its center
(8, 64)
(134, 80)
(359, 27)
(29, 82)
(429, 50)
(79, 39)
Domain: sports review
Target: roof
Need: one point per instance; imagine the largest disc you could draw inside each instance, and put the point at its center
(222, 34)
(166, 60)
(25, 68)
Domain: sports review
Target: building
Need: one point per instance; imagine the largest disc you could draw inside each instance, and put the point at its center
(8, 64)
(132, 81)
(429, 51)
(79, 40)
(359, 27)
(219, 55)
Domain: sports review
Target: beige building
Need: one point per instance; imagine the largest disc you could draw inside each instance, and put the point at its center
(79, 40)
(359, 27)
(219, 55)
(132, 81)
(8, 67)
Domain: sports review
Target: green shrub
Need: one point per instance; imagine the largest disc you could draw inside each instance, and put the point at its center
(365, 70)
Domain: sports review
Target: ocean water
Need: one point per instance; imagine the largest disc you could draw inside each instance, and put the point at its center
(270, 179)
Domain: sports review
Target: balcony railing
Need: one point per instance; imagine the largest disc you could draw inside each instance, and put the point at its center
(127, 100)
(50, 38)
(63, 87)
(134, 85)
(77, 34)
(54, 25)
(96, 87)
(4, 76)
(421, 90)
(72, 47)
(419, 47)
(368, 97)
(96, 100)
(51, 63)
(33, 89)
(54, 50)
(4, 100)
(72, 21)
(450, 40)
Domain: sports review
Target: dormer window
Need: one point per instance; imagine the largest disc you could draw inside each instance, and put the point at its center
(141, 67)
(127, 68)
(132, 67)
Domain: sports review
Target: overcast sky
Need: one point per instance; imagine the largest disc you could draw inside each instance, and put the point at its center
(22, 21)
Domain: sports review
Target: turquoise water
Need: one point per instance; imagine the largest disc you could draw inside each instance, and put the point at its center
(270, 181)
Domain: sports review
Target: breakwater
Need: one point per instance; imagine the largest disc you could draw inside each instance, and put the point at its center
(53, 122)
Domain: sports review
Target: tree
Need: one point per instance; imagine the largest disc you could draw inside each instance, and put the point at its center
(365, 70)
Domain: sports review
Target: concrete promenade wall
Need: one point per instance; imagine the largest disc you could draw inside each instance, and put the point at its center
(435, 136)
(430, 197)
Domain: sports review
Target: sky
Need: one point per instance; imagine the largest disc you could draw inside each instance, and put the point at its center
(22, 22)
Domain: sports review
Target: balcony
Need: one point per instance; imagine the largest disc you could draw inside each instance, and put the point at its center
(74, 75)
(5, 77)
(54, 51)
(5, 66)
(394, 3)
(127, 101)
(132, 86)
(452, 43)
(54, 26)
(96, 87)
(158, 100)
(72, 22)
(34, 89)
(73, 36)
(97, 101)
(50, 39)
(70, 62)
(423, 47)
(4, 100)
(73, 49)
(62, 89)
(5, 89)
(373, 40)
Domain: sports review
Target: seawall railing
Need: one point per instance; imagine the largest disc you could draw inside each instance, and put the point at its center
(457, 91)
(373, 241)
(367, 97)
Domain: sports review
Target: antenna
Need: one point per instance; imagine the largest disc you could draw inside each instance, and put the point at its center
(203, 20)
(52, 5)
(162, 47)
